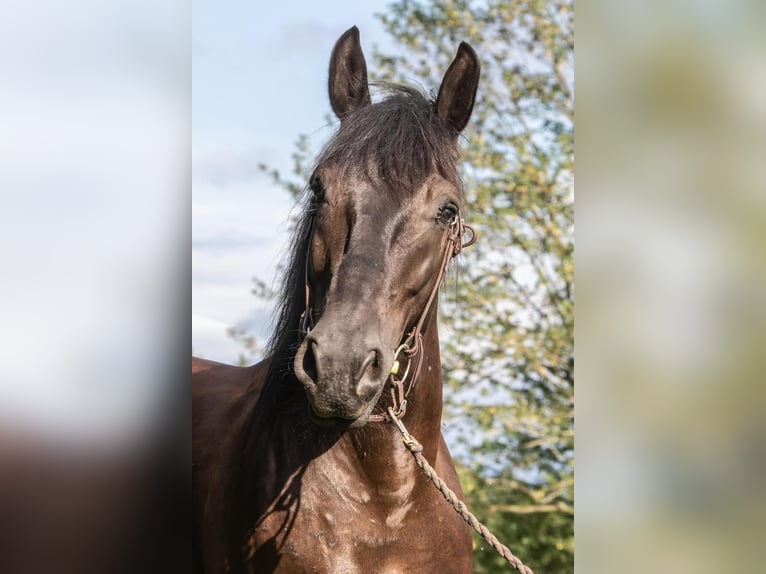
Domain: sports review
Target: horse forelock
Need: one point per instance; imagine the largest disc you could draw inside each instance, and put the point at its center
(395, 144)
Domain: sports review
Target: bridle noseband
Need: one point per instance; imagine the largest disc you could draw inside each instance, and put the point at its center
(412, 345)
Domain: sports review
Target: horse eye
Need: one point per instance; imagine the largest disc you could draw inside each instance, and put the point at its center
(447, 214)
(316, 187)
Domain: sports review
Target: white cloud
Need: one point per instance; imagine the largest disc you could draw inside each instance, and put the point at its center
(237, 234)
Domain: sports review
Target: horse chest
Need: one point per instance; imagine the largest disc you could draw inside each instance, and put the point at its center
(356, 544)
(337, 530)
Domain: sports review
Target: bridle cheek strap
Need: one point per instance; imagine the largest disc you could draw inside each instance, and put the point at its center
(452, 245)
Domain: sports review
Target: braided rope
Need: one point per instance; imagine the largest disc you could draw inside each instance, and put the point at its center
(417, 451)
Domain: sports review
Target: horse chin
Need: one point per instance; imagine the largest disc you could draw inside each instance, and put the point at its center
(338, 423)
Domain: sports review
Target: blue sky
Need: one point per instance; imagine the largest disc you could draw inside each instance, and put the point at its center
(259, 80)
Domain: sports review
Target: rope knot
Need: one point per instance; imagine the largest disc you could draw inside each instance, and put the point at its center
(412, 444)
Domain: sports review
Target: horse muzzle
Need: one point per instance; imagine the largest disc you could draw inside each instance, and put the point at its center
(343, 374)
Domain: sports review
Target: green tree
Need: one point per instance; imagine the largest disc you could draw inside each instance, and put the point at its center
(508, 319)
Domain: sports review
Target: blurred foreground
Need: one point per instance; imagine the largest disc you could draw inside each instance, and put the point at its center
(94, 175)
(671, 277)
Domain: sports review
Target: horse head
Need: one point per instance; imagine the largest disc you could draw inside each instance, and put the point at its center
(386, 191)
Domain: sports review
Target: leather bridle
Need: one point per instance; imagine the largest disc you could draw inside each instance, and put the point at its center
(412, 345)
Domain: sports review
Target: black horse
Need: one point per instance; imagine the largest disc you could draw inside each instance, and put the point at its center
(297, 467)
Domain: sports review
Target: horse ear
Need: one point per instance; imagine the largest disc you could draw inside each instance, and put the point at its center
(348, 75)
(457, 93)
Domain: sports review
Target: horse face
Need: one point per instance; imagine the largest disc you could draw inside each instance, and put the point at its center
(385, 189)
(373, 267)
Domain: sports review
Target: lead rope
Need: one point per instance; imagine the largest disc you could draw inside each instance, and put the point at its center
(417, 451)
(396, 412)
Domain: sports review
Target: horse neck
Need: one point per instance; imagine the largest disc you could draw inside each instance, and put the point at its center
(379, 448)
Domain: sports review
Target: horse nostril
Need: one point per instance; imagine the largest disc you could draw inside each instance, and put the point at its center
(367, 387)
(309, 363)
(370, 363)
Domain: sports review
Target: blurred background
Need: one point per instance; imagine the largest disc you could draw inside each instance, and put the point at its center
(94, 269)
(671, 276)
